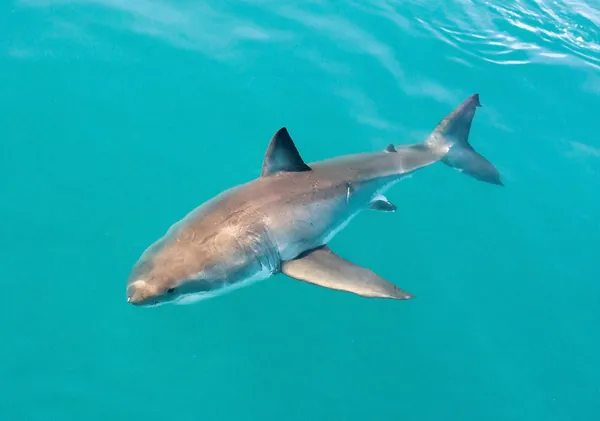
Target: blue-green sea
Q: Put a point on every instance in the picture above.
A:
(118, 117)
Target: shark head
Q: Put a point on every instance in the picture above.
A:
(152, 291)
(188, 265)
(169, 273)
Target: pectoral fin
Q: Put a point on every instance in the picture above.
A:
(324, 268)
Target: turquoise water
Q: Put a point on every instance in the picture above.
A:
(117, 118)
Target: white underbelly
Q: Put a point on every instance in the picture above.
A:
(294, 246)
(315, 225)
(261, 275)
(337, 229)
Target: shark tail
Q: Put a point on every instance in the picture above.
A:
(450, 139)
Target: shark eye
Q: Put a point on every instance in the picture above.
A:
(170, 290)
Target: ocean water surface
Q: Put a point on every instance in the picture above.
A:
(119, 117)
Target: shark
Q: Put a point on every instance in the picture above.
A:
(283, 221)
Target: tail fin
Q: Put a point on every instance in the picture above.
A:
(451, 136)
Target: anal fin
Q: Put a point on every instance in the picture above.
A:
(323, 267)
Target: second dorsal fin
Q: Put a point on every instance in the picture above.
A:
(282, 155)
(390, 148)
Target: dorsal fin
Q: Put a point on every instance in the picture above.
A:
(282, 155)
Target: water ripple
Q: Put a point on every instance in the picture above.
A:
(327, 37)
(516, 32)
(520, 32)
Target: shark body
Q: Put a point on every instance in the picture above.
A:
(283, 221)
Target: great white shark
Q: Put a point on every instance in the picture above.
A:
(283, 221)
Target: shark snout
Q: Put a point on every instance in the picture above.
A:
(139, 292)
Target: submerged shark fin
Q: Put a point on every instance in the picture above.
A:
(282, 155)
(382, 204)
(323, 267)
(452, 133)
(390, 148)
